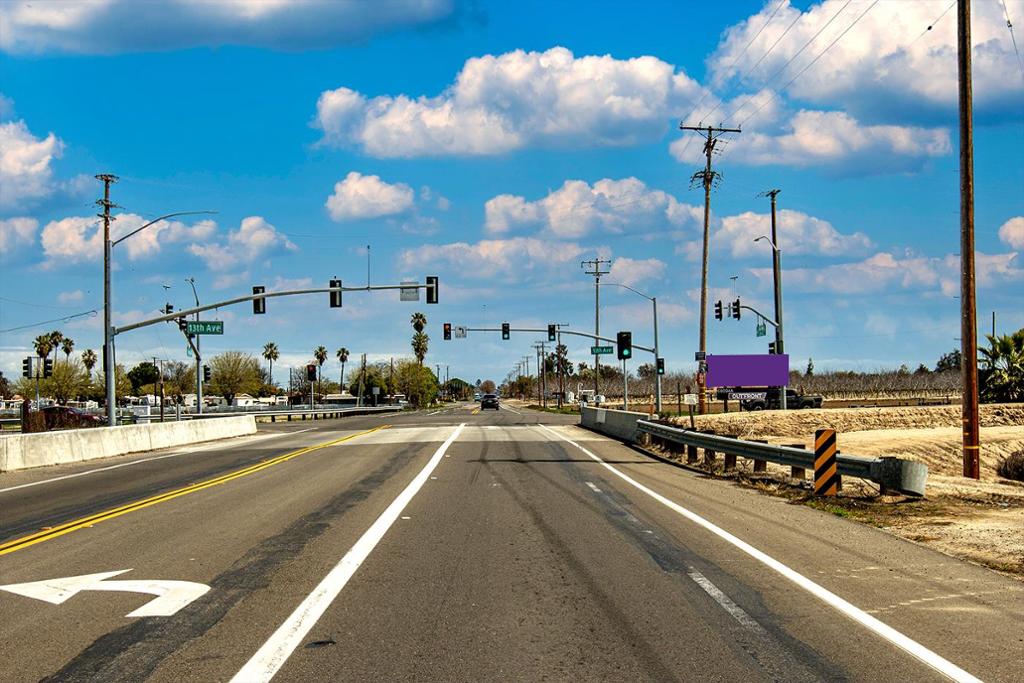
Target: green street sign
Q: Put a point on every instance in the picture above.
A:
(762, 328)
(204, 326)
(601, 350)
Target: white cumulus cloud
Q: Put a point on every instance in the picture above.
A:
(80, 238)
(113, 26)
(578, 208)
(254, 238)
(505, 102)
(15, 232)
(519, 259)
(361, 196)
(1012, 232)
(628, 271)
(26, 173)
(798, 233)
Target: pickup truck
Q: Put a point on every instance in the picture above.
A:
(794, 401)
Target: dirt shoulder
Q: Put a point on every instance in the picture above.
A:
(981, 521)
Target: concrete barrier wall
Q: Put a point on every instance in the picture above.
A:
(22, 451)
(618, 423)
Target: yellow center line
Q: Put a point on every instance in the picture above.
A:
(475, 411)
(68, 527)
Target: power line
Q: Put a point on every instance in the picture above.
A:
(933, 24)
(1009, 26)
(65, 319)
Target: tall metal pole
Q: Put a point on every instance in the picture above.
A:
(777, 276)
(968, 312)
(199, 363)
(109, 370)
(625, 386)
(657, 355)
(595, 265)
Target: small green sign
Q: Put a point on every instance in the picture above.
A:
(204, 326)
(601, 350)
(762, 328)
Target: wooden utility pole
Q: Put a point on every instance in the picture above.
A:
(595, 266)
(968, 307)
(708, 178)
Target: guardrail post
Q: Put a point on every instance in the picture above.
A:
(826, 473)
(691, 454)
(709, 455)
(797, 472)
(760, 466)
(729, 458)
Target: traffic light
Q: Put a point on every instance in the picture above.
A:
(735, 307)
(432, 289)
(661, 366)
(336, 296)
(169, 308)
(552, 333)
(771, 348)
(26, 367)
(259, 306)
(206, 373)
(447, 331)
(47, 367)
(311, 372)
(624, 342)
(505, 333)
(718, 310)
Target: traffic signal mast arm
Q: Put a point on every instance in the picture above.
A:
(588, 335)
(265, 295)
(759, 313)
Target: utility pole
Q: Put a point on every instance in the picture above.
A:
(708, 178)
(595, 269)
(109, 370)
(199, 364)
(777, 278)
(968, 311)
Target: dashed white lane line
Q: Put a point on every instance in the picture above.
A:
(504, 407)
(273, 653)
(737, 612)
(879, 628)
(593, 488)
(158, 457)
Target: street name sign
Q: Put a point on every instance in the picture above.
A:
(459, 331)
(601, 350)
(204, 326)
(409, 291)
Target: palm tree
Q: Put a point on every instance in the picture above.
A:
(67, 345)
(419, 346)
(56, 337)
(342, 355)
(89, 360)
(419, 321)
(270, 353)
(320, 353)
(43, 345)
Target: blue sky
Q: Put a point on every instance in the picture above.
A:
(497, 145)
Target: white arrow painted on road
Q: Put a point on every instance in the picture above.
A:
(171, 595)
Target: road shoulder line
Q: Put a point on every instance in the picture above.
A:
(874, 625)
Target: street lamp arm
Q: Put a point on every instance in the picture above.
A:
(619, 284)
(157, 220)
(767, 239)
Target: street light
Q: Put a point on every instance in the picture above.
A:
(777, 277)
(199, 365)
(108, 337)
(657, 353)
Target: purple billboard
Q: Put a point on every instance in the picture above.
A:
(768, 370)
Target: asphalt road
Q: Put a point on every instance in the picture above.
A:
(467, 546)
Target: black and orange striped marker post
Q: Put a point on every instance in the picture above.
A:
(826, 469)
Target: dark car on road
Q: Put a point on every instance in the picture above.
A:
(489, 401)
(65, 417)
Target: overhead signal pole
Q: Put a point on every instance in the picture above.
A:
(708, 178)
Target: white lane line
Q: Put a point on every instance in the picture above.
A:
(593, 488)
(737, 612)
(157, 457)
(504, 407)
(272, 654)
(881, 629)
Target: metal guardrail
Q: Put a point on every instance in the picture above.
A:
(302, 413)
(890, 473)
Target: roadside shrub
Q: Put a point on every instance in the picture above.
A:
(1012, 466)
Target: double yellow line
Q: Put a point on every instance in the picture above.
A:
(68, 527)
